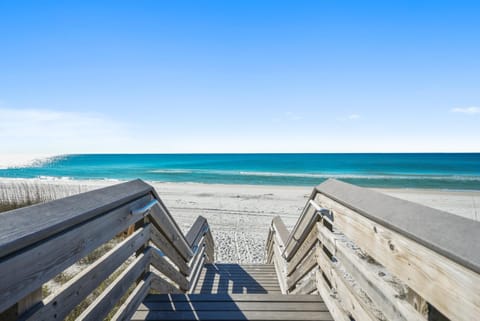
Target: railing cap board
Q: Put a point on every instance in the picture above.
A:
(454, 237)
(23, 227)
(281, 228)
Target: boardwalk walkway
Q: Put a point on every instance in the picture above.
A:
(234, 292)
(354, 254)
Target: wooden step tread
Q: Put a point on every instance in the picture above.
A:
(234, 297)
(235, 278)
(232, 307)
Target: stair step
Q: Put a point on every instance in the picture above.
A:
(232, 307)
(234, 297)
(235, 278)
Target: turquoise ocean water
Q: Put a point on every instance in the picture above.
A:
(445, 171)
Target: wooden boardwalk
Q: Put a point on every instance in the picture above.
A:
(234, 292)
(233, 307)
(337, 263)
(237, 279)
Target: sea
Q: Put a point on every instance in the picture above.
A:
(458, 171)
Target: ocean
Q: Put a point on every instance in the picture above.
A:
(443, 170)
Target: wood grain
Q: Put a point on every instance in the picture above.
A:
(38, 264)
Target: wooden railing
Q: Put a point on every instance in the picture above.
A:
(39, 242)
(375, 257)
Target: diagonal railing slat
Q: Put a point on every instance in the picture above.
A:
(356, 244)
(39, 242)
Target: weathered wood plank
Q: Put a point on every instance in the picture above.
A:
(162, 286)
(332, 303)
(128, 308)
(269, 247)
(350, 300)
(280, 229)
(249, 272)
(164, 223)
(23, 227)
(210, 247)
(392, 304)
(236, 289)
(409, 219)
(162, 206)
(230, 297)
(280, 268)
(457, 289)
(232, 315)
(59, 304)
(242, 267)
(306, 266)
(241, 305)
(307, 219)
(193, 278)
(38, 264)
(305, 247)
(104, 303)
(159, 240)
(159, 263)
(196, 231)
(272, 279)
(200, 251)
(326, 237)
(307, 287)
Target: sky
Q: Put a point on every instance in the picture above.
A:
(239, 76)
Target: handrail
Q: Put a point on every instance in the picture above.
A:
(42, 241)
(21, 228)
(409, 219)
(418, 248)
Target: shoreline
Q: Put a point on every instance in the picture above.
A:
(239, 215)
(111, 181)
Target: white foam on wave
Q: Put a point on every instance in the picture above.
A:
(54, 178)
(320, 175)
(8, 161)
(171, 171)
(364, 176)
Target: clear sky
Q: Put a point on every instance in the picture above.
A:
(239, 76)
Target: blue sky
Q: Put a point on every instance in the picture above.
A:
(239, 76)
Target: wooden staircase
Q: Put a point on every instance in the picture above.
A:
(232, 307)
(337, 263)
(234, 292)
(237, 279)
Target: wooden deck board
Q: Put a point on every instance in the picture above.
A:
(234, 278)
(233, 307)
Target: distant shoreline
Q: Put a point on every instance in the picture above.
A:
(111, 181)
(461, 202)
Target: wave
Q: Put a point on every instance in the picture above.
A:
(171, 171)
(55, 178)
(362, 176)
(319, 175)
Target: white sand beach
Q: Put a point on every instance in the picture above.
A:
(239, 215)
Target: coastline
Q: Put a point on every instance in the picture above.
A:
(239, 215)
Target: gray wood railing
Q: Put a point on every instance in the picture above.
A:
(37, 243)
(374, 257)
